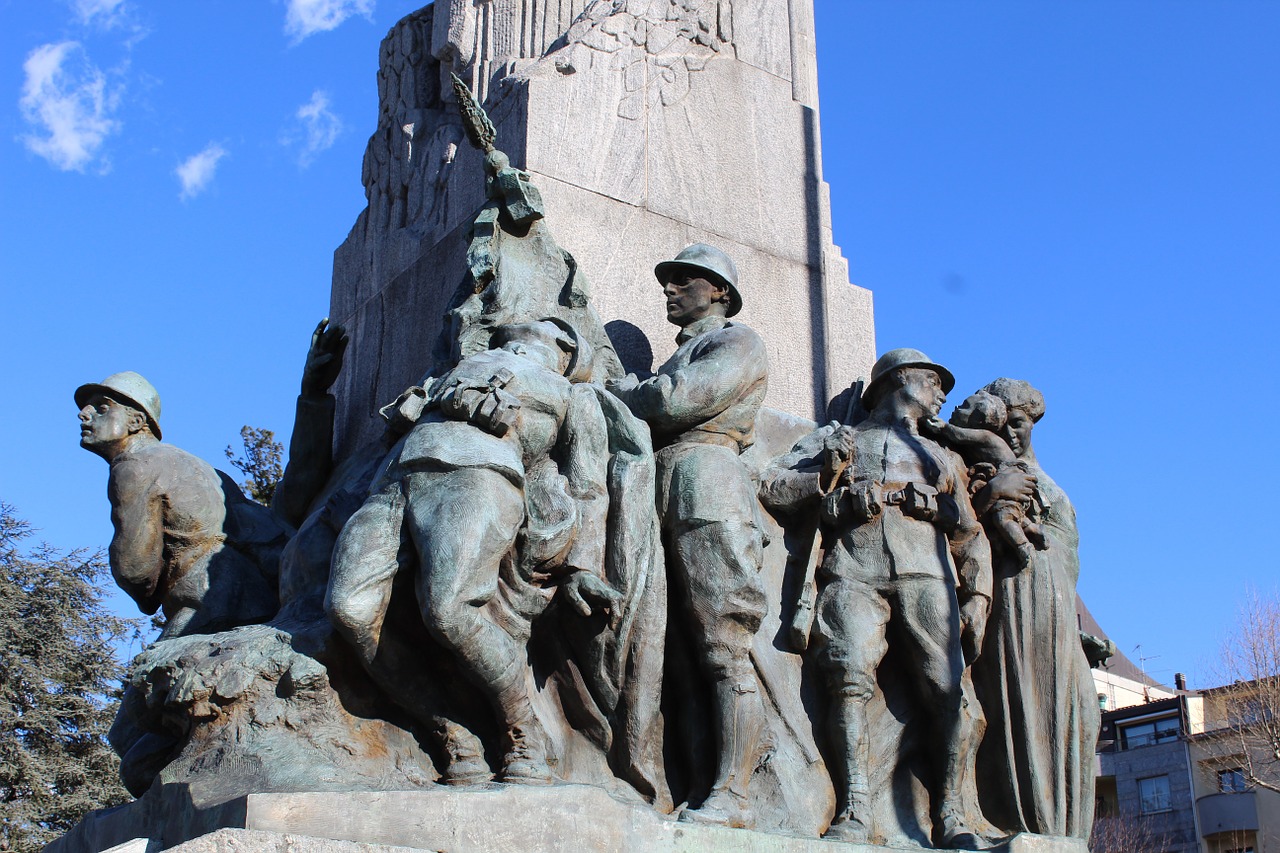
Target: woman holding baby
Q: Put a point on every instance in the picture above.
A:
(1037, 692)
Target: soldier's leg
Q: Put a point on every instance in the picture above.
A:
(464, 524)
(850, 623)
(930, 630)
(716, 551)
(718, 564)
(220, 589)
(366, 558)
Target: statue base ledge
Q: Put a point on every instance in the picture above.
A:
(491, 819)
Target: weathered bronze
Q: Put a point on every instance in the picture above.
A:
(1037, 759)
(869, 637)
(906, 559)
(701, 407)
(187, 541)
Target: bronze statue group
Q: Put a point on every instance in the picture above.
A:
(558, 572)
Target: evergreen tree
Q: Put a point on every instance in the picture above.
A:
(260, 462)
(59, 688)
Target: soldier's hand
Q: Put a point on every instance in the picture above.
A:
(841, 442)
(973, 625)
(589, 594)
(837, 452)
(324, 358)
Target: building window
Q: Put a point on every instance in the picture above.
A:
(1148, 733)
(1232, 781)
(1246, 712)
(1153, 793)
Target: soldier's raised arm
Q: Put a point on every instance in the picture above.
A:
(311, 443)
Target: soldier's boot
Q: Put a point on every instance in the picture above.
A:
(955, 823)
(464, 755)
(955, 834)
(746, 744)
(852, 822)
(527, 760)
(495, 661)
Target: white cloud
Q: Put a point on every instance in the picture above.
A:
(196, 172)
(105, 13)
(68, 100)
(308, 17)
(321, 125)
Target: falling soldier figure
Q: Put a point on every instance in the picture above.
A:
(701, 407)
(503, 469)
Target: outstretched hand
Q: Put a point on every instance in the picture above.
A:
(589, 594)
(324, 358)
(933, 425)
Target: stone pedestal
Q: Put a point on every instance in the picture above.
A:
(495, 819)
(647, 125)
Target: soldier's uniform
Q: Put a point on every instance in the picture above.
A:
(702, 406)
(473, 475)
(904, 549)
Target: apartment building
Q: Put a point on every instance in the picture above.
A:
(1173, 776)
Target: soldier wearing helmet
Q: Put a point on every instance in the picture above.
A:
(186, 540)
(701, 407)
(906, 559)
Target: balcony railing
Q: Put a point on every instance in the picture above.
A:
(1134, 741)
(1234, 812)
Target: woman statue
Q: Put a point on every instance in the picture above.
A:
(1036, 761)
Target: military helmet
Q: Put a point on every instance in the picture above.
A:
(903, 357)
(128, 388)
(709, 261)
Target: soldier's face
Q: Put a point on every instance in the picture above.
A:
(691, 297)
(105, 424)
(923, 387)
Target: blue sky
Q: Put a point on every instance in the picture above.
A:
(1082, 194)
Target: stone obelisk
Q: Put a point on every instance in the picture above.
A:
(647, 125)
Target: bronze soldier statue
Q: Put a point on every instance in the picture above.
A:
(701, 407)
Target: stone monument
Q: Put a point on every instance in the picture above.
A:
(649, 125)
(521, 589)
